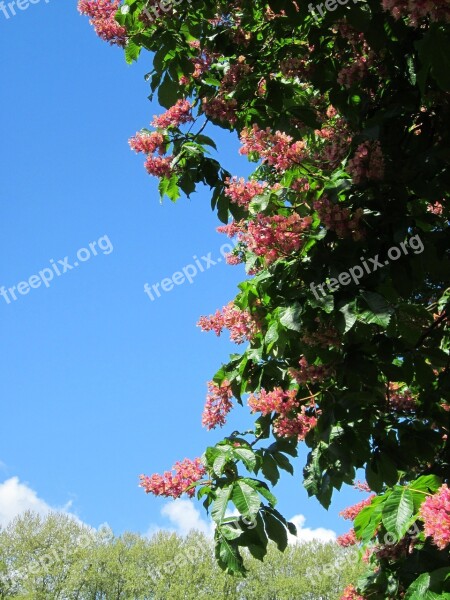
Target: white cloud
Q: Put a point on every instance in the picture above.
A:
(186, 517)
(305, 534)
(17, 497)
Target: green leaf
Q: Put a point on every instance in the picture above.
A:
(290, 317)
(262, 489)
(219, 464)
(270, 469)
(228, 555)
(132, 51)
(368, 520)
(430, 585)
(276, 530)
(397, 511)
(220, 503)
(283, 462)
(247, 456)
(168, 92)
(245, 499)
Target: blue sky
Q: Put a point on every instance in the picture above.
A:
(99, 383)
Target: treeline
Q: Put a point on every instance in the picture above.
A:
(57, 558)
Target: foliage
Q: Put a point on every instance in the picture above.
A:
(343, 228)
(56, 558)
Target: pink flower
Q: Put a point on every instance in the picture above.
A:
(276, 149)
(242, 192)
(417, 10)
(350, 593)
(309, 373)
(297, 426)
(277, 401)
(177, 115)
(102, 13)
(367, 163)
(435, 512)
(339, 219)
(174, 484)
(352, 512)
(159, 167)
(400, 400)
(218, 405)
(276, 237)
(435, 209)
(347, 539)
(220, 109)
(148, 143)
(240, 323)
(362, 486)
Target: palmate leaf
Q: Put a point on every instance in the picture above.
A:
(397, 511)
(368, 520)
(245, 499)
(228, 555)
(430, 585)
(220, 504)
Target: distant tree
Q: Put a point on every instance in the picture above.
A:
(57, 558)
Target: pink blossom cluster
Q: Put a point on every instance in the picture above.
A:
(367, 163)
(240, 323)
(292, 420)
(159, 166)
(309, 373)
(294, 67)
(202, 62)
(101, 13)
(296, 426)
(235, 74)
(350, 593)
(339, 218)
(232, 229)
(177, 115)
(352, 512)
(325, 336)
(354, 73)
(277, 401)
(218, 405)
(400, 400)
(336, 138)
(148, 143)
(396, 551)
(242, 192)
(220, 109)
(276, 149)
(300, 185)
(435, 512)
(417, 10)
(435, 209)
(277, 236)
(362, 486)
(172, 484)
(347, 539)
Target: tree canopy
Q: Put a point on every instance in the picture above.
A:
(57, 558)
(343, 230)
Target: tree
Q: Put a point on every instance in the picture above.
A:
(97, 565)
(343, 228)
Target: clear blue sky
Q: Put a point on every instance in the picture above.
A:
(99, 384)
